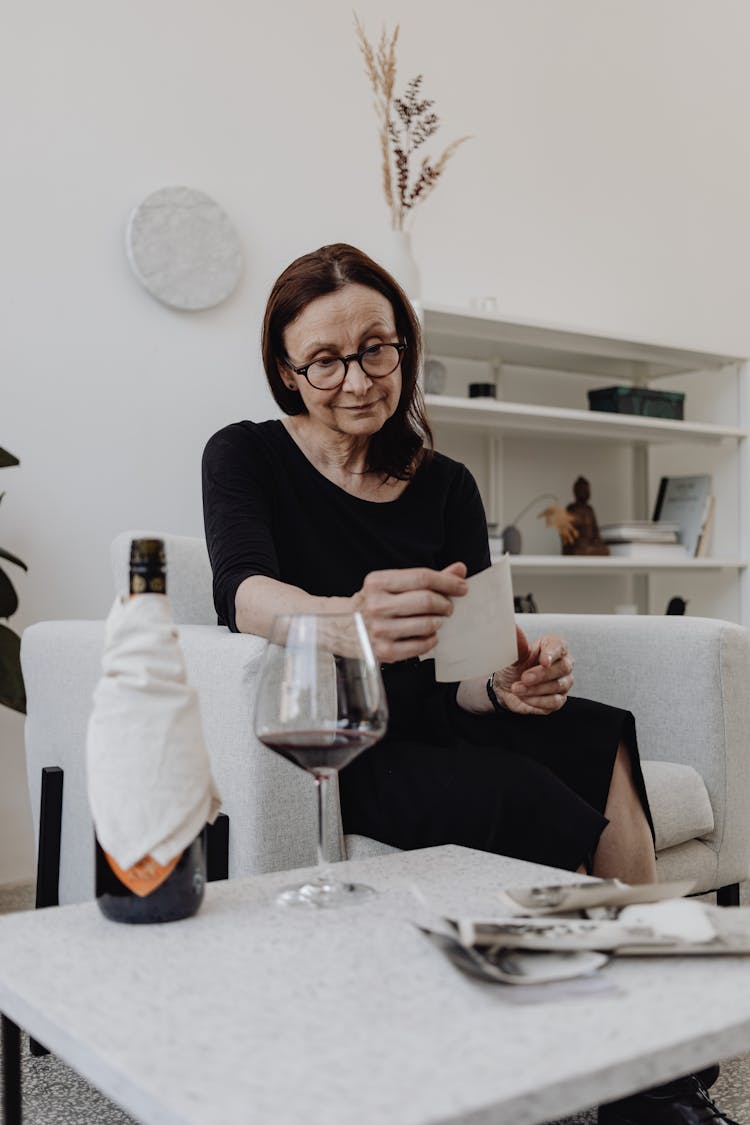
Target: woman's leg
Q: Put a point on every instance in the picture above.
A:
(626, 849)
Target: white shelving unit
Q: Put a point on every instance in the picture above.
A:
(572, 564)
(514, 417)
(493, 348)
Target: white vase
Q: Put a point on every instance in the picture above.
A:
(398, 259)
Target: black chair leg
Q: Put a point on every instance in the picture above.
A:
(216, 843)
(48, 865)
(50, 830)
(729, 895)
(12, 1114)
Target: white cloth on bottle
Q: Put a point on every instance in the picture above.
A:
(150, 785)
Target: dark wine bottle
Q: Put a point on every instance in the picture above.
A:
(149, 891)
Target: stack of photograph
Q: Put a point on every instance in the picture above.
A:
(640, 539)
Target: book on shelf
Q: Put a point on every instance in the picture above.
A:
(640, 531)
(686, 502)
(657, 552)
(705, 535)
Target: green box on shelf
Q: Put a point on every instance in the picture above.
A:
(638, 400)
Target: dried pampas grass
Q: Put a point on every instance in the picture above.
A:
(405, 124)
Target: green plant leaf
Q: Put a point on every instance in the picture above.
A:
(12, 691)
(8, 596)
(12, 558)
(7, 459)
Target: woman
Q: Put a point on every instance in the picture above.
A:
(344, 505)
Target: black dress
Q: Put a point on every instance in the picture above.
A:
(533, 787)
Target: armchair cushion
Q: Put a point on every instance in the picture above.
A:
(679, 801)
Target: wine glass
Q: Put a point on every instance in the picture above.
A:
(320, 702)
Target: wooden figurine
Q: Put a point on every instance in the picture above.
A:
(588, 541)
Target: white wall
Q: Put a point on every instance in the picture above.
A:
(605, 187)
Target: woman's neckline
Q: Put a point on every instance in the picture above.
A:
(332, 484)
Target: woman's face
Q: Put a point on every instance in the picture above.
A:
(340, 324)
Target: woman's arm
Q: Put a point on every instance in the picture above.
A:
(259, 599)
(402, 609)
(536, 684)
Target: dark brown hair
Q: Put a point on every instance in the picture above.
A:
(395, 449)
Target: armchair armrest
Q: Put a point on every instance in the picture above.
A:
(686, 681)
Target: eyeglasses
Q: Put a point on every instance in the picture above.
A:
(329, 372)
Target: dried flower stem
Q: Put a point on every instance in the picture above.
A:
(562, 521)
(405, 124)
(381, 70)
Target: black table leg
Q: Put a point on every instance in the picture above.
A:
(12, 1114)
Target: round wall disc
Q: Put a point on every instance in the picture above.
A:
(183, 248)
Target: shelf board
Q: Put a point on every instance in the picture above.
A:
(604, 564)
(459, 334)
(514, 417)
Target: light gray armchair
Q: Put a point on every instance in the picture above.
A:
(686, 679)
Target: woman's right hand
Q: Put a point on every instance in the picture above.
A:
(403, 609)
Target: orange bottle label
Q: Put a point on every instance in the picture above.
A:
(145, 875)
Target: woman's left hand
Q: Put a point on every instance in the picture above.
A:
(539, 681)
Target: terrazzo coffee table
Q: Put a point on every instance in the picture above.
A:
(255, 1012)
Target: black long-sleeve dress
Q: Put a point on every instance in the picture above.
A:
(533, 787)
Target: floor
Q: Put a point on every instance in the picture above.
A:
(56, 1095)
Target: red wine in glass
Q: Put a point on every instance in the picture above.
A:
(320, 703)
(316, 751)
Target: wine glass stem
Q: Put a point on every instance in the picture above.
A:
(323, 876)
